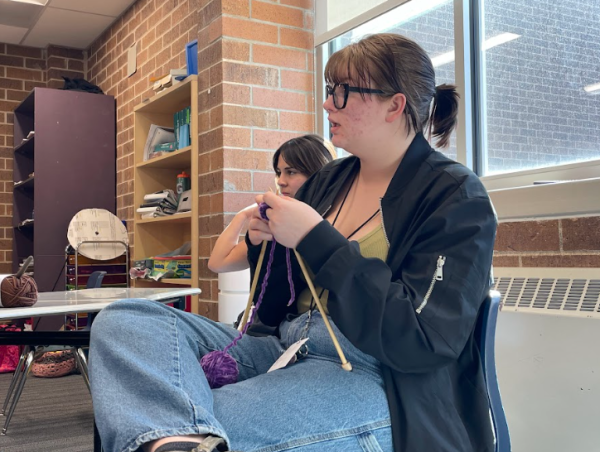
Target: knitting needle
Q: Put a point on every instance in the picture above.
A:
(345, 364)
(254, 284)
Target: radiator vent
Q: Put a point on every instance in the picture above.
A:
(557, 291)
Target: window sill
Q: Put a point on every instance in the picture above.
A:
(577, 198)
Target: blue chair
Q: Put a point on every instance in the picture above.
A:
(485, 334)
(32, 349)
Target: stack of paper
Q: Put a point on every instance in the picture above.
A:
(158, 204)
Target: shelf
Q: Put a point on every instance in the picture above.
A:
(26, 147)
(23, 225)
(168, 100)
(176, 218)
(26, 107)
(27, 184)
(179, 159)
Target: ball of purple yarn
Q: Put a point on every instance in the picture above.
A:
(220, 368)
(262, 208)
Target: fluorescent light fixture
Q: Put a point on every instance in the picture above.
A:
(402, 14)
(502, 38)
(592, 89)
(31, 2)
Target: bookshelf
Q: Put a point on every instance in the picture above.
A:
(159, 235)
(67, 165)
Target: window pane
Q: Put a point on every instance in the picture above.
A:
(430, 23)
(540, 58)
(340, 11)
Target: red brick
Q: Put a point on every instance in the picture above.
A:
(14, 61)
(247, 159)
(581, 233)
(16, 95)
(300, 81)
(234, 202)
(250, 75)
(506, 261)
(267, 139)
(297, 38)
(249, 117)
(306, 4)
(303, 122)
(23, 74)
(263, 182)
(246, 29)
(237, 181)
(30, 52)
(236, 94)
(236, 7)
(236, 137)
(283, 100)
(57, 62)
(580, 261)
(236, 50)
(281, 15)
(280, 57)
(528, 236)
(11, 83)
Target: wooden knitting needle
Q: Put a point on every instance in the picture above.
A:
(345, 364)
(254, 284)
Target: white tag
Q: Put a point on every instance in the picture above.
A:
(289, 356)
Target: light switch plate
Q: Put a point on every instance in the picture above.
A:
(132, 60)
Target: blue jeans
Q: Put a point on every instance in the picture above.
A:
(147, 384)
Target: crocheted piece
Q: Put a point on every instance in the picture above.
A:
(54, 364)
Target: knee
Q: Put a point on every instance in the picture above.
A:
(119, 317)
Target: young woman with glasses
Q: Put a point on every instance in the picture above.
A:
(398, 240)
(293, 163)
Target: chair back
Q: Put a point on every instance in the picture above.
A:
(95, 280)
(485, 334)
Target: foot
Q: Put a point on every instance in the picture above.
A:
(208, 444)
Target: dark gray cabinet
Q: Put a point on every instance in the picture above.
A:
(69, 164)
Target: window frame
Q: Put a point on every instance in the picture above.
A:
(513, 194)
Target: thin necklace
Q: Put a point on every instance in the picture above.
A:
(304, 349)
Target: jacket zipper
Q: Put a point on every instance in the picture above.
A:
(437, 276)
(383, 223)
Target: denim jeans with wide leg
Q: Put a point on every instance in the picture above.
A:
(147, 383)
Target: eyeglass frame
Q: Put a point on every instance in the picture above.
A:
(330, 90)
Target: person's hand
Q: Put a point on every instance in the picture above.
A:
(290, 220)
(258, 229)
(248, 212)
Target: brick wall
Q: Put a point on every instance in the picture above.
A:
(568, 242)
(255, 91)
(21, 70)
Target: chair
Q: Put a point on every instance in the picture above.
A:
(485, 334)
(73, 341)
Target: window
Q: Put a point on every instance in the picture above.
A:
(428, 22)
(541, 77)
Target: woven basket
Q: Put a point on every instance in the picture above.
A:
(54, 364)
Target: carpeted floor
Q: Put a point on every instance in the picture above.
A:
(54, 414)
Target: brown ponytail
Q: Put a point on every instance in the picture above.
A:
(444, 113)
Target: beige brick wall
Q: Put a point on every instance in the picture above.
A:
(21, 70)
(568, 242)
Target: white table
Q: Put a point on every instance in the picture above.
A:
(90, 300)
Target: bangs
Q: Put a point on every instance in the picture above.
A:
(349, 64)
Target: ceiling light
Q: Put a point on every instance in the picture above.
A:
(494, 41)
(592, 89)
(31, 2)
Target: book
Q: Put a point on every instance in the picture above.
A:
(171, 146)
(157, 135)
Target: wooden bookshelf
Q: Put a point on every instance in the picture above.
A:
(159, 235)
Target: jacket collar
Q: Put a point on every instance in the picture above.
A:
(414, 157)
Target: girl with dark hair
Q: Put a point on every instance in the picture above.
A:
(398, 240)
(294, 162)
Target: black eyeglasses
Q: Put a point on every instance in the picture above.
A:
(340, 92)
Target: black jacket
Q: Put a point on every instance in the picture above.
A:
(436, 213)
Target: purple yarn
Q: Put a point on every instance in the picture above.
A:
(262, 208)
(219, 367)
